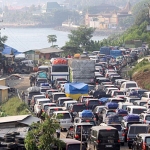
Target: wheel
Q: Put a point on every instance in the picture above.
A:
(122, 144)
(130, 146)
(12, 145)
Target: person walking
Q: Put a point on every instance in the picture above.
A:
(58, 133)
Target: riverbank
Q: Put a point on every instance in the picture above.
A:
(62, 28)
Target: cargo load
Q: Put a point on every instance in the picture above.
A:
(131, 118)
(111, 105)
(60, 61)
(122, 112)
(86, 114)
(103, 100)
(42, 75)
(112, 119)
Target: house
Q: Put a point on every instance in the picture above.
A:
(31, 55)
(50, 6)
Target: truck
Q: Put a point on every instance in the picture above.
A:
(115, 53)
(59, 69)
(105, 50)
(82, 70)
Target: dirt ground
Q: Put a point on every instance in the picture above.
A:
(142, 79)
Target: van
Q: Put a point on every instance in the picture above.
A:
(103, 138)
(60, 101)
(126, 85)
(72, 144)
(135, 129)
(64, 117)
(137, 110)
(28, 63)
(57, 95)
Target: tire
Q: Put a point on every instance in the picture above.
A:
(9, 139)
(122, 144)
(130, 146)
(19, 140)
(12, 145)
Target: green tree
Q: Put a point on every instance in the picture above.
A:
(52, 39)
(81, 37)
(3, 39)
(42, 136)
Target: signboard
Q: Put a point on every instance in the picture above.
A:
(148, 27)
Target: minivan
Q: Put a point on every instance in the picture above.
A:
(135, 129)
(103, 138)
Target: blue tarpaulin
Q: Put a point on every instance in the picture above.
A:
(9, 50)
(76, 88)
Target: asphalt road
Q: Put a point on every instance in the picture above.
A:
(63, 135)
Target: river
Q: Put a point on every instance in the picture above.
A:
(24, 39)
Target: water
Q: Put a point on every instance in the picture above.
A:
(24, 39)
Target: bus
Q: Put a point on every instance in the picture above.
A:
(60, 71)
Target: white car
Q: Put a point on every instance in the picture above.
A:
(124, 105)
(137, 110)
(118, 94)
(64, 117)
(39, 102)
(67, 104)
(146, 96)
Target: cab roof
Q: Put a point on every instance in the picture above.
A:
(103, 128)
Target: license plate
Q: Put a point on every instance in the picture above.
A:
(108, 145)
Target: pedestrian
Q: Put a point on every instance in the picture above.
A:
(58, 133)
(23, 95)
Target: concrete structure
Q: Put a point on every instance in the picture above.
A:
(108, 19)
(3, 81)
(3, 93)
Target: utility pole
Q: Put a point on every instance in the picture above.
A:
(148, 26)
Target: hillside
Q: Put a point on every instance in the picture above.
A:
(141, 74)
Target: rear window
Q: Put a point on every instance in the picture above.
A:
(147, 118)
(73, 147)
(130, 123)
(63, 116)
(117, 101)
(118, 127)
(46, 106)
(44, 90)
(137, 130)
(77, 108)
(40, 97)
(96, 102)
(138, 111)
(33, 93)
(85, 128)
(130, 85)
(56, 96)
(56, 109)
(143, 103)
(132, 100)
(124, 107)
(42, 102)
(147, 140)
(108, 134)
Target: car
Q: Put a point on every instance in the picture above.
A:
(116, 100)
(130, 91)
(123, 105)
(146, 96)
(120, 131)
(108, 90)
(82, 98)
(131, 99)
(145, 118)
(90, 103)
(141, 142)
(140, 102)
(135, 109)
(103, 137)
(45, 106)
(48, 93)
(60, 100)
(66, 104)
(117, 93)
(75, 131)
(80, 120)
(64, 118)
(39, 102)
(50, 110)
(135, 129)
(57, 95)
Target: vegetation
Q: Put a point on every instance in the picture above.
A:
(14, 107)
(52, 39)
(42, 136)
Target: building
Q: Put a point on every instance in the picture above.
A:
(50, 6)
(107, 17)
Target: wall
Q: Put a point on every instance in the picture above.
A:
(3, 82)
(4, 95)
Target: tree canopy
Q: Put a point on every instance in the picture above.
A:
(52, 39)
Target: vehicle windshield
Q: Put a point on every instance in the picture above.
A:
(77, 108)
(73, 147)
(64, 100)
(137, 129)
(143, 103)
(130, 123)
(124, 107)
(59, 68)
(147, 118)
(55, 109)
(95, 102)
(132, 100)
(147, 140)
(44, 90)
(46, 106)
(42, 102)
(40, 97)
(118, 93)
(33, 93)
(108, 134)
(43, 69)
(110, 113)
(138, 111)
(84, 129)
(118, 127)
(131, 85)
(63, 116)
(56, 96)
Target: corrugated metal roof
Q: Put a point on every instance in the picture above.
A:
(13, 118)
(49, 50)
(3, 87)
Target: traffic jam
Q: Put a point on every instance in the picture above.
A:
(101, 110)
